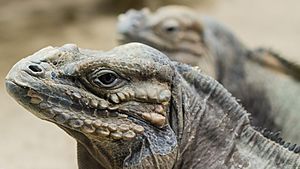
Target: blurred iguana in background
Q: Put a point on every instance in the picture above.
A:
(266, 84)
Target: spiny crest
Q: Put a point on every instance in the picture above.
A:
(288, 66)
(275, 136)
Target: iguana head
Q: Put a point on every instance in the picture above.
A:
(115, 103)
(174, 30)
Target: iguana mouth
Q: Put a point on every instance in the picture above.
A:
(103, 121)
(84, 114)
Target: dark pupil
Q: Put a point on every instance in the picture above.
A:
(170, 29)
(107, 79)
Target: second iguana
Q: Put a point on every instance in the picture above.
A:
(265, 83)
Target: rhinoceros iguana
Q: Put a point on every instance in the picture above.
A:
(131, 107)
(266, 83)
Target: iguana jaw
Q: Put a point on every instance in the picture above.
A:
(97, 122)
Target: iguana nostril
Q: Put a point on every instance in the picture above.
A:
(35, 68)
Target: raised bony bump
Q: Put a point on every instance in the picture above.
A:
(114, 98)
(137, 128)
(97, 123)
(112, 127)
(160, 109)
(140, 93)
(36, 100)
(88, 121)
(94, 103)
(76, 95)
(152, 93)
(71, 46)
(62, 118)
(121, 96)
(49, 113)
(102, 104)
(35, 97)
(128, 135)
(45, 105)
(154, 118)
(88, 128)
(85, 101)
(76, 123)
(164, 95)
(116, 135)
(104, 132)
(121, 115)
(123, 127)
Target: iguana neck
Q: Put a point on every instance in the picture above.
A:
(217, 133)
(228, 52)
(211, 121)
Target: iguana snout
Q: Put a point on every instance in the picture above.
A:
(24, 82)
(131, 21)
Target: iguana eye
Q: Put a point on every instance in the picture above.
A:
(170, 26)
(106, 78)
(170, 29)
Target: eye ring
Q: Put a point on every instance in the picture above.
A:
(170, 26)
(106, 78)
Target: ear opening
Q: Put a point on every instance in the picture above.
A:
(176, 116)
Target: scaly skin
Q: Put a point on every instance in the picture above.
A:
(131, 107)
(266, 83)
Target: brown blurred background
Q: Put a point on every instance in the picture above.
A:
(26, 26)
